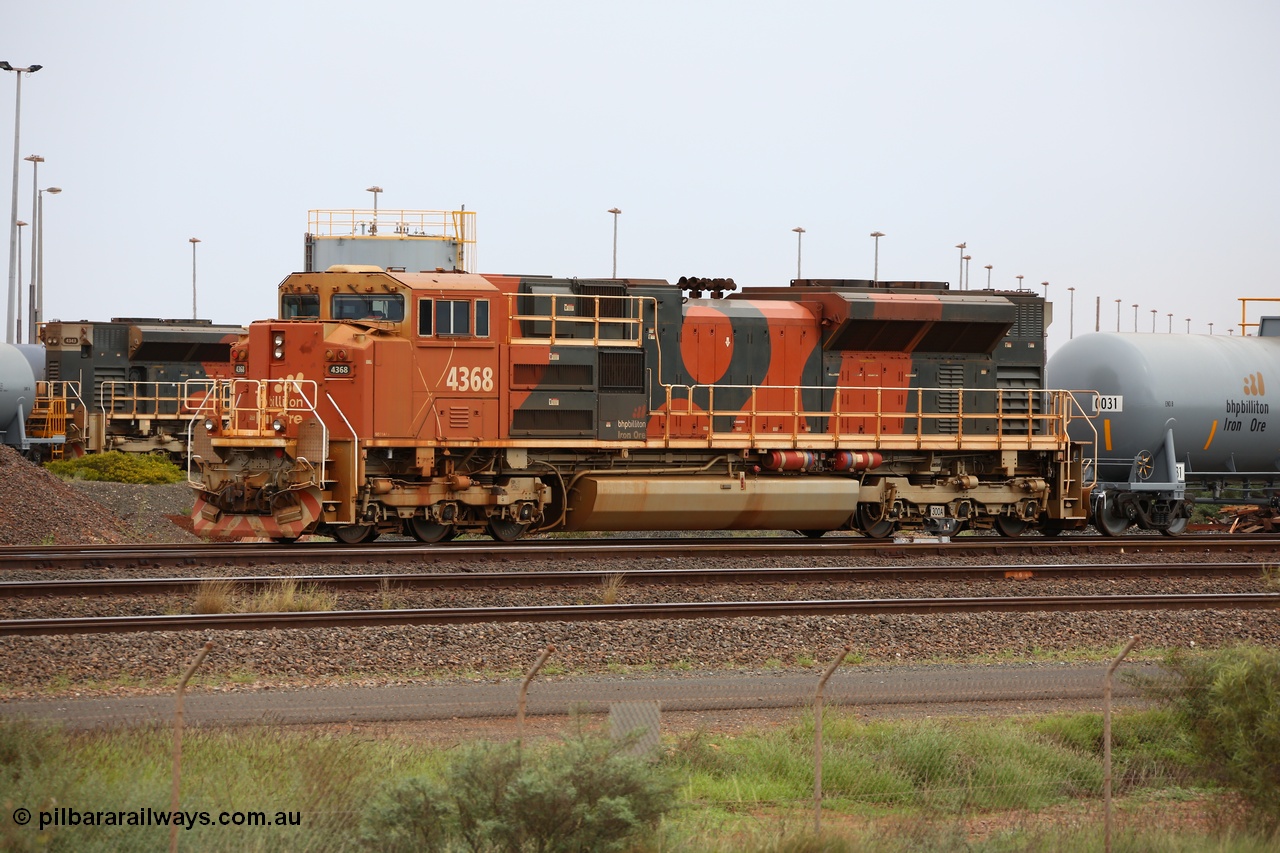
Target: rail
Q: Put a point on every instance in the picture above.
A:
(456, 225)
(51, 411)
(1244, 308)
(107, 587)
(559, 319)
(623, 612)
(119, 399)
(876, 417)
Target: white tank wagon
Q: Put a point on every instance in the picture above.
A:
(1179, 419)
(22, 372)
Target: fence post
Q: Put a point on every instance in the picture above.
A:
(177, 744)
(524, 689)
(817, 738)
(1106, 741)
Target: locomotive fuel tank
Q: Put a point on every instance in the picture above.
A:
(1219, 394)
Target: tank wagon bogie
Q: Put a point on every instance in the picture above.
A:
(438, 403)
(1180, 419)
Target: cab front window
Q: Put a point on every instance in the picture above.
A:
(367, 306)
(294, 305)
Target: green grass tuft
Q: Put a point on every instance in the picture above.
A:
(117, 467)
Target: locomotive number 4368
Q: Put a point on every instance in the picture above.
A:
(469, 379)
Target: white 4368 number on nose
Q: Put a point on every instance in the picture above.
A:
(470, 379)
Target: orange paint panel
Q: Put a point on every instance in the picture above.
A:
(872, 384)
(706, 344)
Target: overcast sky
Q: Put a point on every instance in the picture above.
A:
(1128, 149)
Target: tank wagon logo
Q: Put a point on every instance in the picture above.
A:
(1253, 387)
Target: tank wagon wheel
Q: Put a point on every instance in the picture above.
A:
(355, 534)
(1051, 529)
(1009, 526)
(871, 521)
(1108, 521)
(504, 530)
(429, 531)
(284, 540)
(1177, 525)
(812, 534)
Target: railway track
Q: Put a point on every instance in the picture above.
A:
(28, 558)
(101, 587)
(626, 612)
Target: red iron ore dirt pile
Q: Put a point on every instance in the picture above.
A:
(36, 508)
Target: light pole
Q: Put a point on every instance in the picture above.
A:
(988, 269)
(876, 235)
(22, 225)
(1211, 328)
(11, 317)
(1046, 290)
(373, 229)
(966, 272)
(1071, 321)
(1171, 323)
(39, 294)
(1117, 315)
(193, 242)
(1153, 321)
(961, 247)
(1135, 317)
(1019, 278)
(1188, 325)
(799, 236)
(615, 211)
(35, 160)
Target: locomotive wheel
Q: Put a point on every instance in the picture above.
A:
(872, 523)
(1109, 522)
(506, 531)
(1007, 525)
(355, 534)
(428, 531)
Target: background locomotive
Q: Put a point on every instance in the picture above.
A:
(89, 387)
(118, 385)
(435, 403)
(1179, 419)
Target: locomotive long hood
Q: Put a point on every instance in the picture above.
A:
(934, 322)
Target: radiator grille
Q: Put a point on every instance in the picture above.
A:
(576, 421)
(622, 371)
(551, 376)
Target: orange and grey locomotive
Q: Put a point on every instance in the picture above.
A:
(436, 403)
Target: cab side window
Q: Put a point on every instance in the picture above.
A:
(424, 317)
(453, 317)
